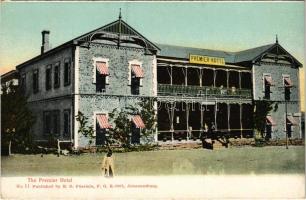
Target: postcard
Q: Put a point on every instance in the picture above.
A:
(152, 100)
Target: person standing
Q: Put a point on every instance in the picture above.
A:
(108, 164)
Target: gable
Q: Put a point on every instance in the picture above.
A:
(272, 53)
(118, 32)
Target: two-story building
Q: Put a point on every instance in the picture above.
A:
(115, 66)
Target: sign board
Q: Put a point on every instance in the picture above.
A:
(198, 59)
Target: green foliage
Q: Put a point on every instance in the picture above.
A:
(85, 129)
(261, 110)
(146, 110)
(122, 129)
(16, 120)
(121, 132)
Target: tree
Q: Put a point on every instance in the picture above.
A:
(261, 110)
(147, 113)
(85, 129)
(121, 132)
(16, 118)
(122, 129)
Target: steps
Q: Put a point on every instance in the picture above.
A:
(217, 145)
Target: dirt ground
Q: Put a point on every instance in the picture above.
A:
(244, 160)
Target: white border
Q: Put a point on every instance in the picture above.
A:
(133, 62)
(76, 95)
(99, 59)
(95, 119)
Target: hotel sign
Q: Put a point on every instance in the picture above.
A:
(197, 59)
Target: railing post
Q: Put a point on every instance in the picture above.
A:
(215, 77)
(239, 72)
(240, 118)
(227, 78)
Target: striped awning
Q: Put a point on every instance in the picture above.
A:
(288, 82)
(268, 80)
(102, 68)
(138, 121)
(270, 121)
(103, 121)
(290, 120)
(137, 70)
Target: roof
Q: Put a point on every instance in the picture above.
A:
(251, 54)
(163, 50)
(9, 76)
(118, 26)
(183, 52)
(229, 57)
(112, 28)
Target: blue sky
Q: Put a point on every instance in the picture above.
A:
(230, 26)
(213, 25)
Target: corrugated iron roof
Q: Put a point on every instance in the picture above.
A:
(250, 54)
(183, 52)
(230, 57)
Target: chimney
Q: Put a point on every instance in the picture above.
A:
(45, 46)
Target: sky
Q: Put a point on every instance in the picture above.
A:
(229, 26)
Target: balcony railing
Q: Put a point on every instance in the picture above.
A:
(165, 90)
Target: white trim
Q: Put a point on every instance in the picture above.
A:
(98, 59)
(156, 127)
(133, 62)
(76, 95)
(263, 80)
(285, 125)
(95, 119)
(154, 76)
(300, 125)
(283, 78)
(253, 81)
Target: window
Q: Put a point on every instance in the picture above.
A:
(35, 81)
(51, 122)
(287, 85)
(67, 72)
(56, 122)
(23, 82)
(137, 124)
(67, 123)
(47, 123)
(267, 86)
(101, 76)
(57, 75)
(48, 77)
(102, 124)
(269, 126)
(136, 78)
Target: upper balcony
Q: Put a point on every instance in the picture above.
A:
(195, 81)
(198, 91)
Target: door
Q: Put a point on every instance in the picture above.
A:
(135, 134)
(268, 131)
(289, 130)
(100, 135)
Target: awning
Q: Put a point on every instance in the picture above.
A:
(102, 68)
(268, 80)
(103, 121)
(290, 120)
(137, 70)
(288, 82)
(138, 121)
(270, 121)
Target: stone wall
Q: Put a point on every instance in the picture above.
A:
(118, 65)
(118, 91)
(47, 100)
(41, 65)
(38, 108)
(277, 95)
